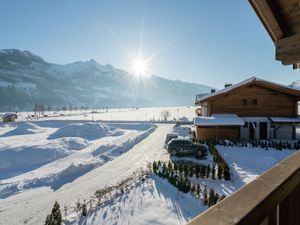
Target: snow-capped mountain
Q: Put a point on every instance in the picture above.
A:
(27, 79)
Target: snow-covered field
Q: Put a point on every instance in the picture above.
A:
(67, 159)
(124, 114)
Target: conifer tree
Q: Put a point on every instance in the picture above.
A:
(194, 189)
(220, 171)
(191, 171)
(172, 179)
(55, 217)
(175, 167)
(187, 185)
(197, 172)
(154, 167)
(211, 198)
(198, 190)
(164, 170)
(180, 168)
(205, 200)
(202, 171)
(213, 172)
(84, 210)
(226, 173)
(185, 169)
(222, 197)
(170, 165)
(216, 198)
(207, 171)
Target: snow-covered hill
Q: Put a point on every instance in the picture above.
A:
(26, 79)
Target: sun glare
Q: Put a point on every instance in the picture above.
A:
(139, 67)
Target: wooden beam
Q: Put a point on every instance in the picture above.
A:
(267, 17)
(288, 46)
(290, 208)
(291, 59)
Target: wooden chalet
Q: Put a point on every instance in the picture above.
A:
(252, 109)
(9, 117)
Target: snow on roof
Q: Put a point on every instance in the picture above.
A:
(285, 119)
(249, 80)
(219, 120)
(9, 114)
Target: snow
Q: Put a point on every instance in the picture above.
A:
(151, 202)
(219, 120)
(90, 131)
(23, 129)
(31, 195)
(68, 159)
(157, 202)
(182, 131)
(285, 119)
(55, 162)
(120, 114)
(248, 163)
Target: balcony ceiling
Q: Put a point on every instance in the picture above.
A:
(281, 18)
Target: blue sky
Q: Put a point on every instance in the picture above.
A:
(208, 41)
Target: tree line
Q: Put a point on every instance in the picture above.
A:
(179, 174)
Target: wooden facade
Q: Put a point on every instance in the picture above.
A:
(254, 101)
(207, 133)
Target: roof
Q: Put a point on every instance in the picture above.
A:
(219, 120)
(9, 115)
(281, 20)
(285, 119)
(252, 80)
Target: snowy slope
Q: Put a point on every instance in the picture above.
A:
(26, 79)
(152, 202)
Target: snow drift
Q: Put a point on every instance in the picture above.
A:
(25, 158)
(72, 143)
(23, 129)
(89, 131)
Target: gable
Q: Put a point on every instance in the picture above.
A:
(254, 101)
(251, 81)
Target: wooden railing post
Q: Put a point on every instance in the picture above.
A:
(289, 209)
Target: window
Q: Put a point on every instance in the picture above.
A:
(254, 101)
(244, 101)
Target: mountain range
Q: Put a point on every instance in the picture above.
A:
(27, 79)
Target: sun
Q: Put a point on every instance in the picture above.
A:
(139, 67)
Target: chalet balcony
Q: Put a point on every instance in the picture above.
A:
(271, 199)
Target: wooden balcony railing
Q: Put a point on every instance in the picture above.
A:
(271, 199)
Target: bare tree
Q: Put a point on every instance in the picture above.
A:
(165, 114)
